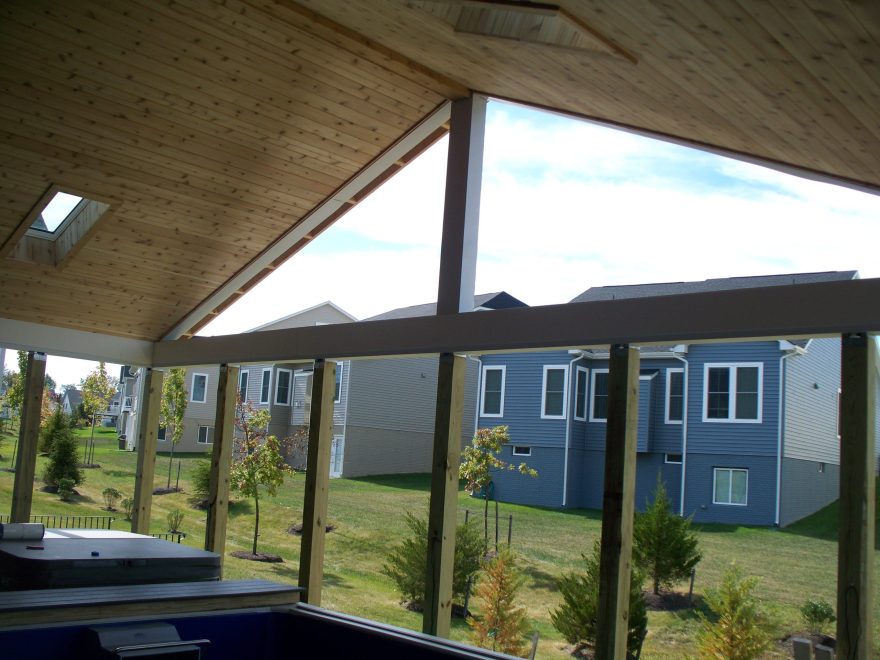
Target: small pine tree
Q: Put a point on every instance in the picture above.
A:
(503, 626)
(407, 560)
(664, 547)
(56, 426)
(740, 631)
(577, 616)
(63, 462)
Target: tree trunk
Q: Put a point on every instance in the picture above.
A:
(170, 463)
(257, 517)
(88, 444)
(486, 521)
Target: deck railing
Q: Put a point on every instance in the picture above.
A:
(62, 521)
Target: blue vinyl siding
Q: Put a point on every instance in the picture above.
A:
(545, 490)
(805, 490)
(589, 492)
(761, 507)
(646, 401)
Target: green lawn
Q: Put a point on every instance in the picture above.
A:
(793, 564)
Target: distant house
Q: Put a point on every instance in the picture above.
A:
(742, 432)
(71, 400)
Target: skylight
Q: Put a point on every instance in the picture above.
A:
(60, 208)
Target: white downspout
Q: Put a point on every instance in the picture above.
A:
(779, 436)
(684, 428)
(571, 402)
(345, 386)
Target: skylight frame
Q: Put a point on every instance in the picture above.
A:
(73, 214)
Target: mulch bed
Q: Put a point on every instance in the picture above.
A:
(297, 529)
(250, 556)
(90, 466)
(667, 601)
(165, 491)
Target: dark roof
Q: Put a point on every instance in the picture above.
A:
(497, 300)
(619, 292)
(74, 396)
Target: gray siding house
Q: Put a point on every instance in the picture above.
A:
(740, 432)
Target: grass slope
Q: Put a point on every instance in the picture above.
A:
(793, 564)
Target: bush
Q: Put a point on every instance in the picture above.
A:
(65, 488)
(502, 625)
(816, 614)
(63, 462)
(111, 497)
(174, 518)
(56, 426)
(576, 618)
(201, 478)
(664, 547)
(128, 507)
(407, 560)
(740, 631)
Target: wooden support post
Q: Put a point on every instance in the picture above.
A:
(221, 459)
(617, 506)
(149, 403)
(437, 615)
(855, 552)
(311, 556)
(461, 207)
(28, 434)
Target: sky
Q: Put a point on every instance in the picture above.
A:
(565, 205)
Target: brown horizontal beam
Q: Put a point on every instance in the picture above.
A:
(800, 310)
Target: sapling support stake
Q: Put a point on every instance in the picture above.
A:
(509, 529)
(691, 590)
(177, 483)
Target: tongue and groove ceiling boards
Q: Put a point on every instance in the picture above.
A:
(211, 129)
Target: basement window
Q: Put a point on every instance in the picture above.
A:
(55, 228)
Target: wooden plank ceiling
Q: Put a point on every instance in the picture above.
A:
(213, 127)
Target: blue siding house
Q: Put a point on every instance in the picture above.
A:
(742, 433)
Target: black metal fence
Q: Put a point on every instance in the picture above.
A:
(60, 521)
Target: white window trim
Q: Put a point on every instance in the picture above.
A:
(564, 369)
(593, 417)
(731, 470)
(192, 389)
(669, 373)
(339, 372)
(668, 462)
(275, 400)
(514, 452)
(269, 388)
(578, 394)
(207, 435)
(733, 367)
(492, 367)
(242, 375)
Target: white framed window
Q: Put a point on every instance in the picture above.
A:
(337, 397)
(243, 385)
(160, 434)
(580, 393)
(492, 395)
(599, 400)
(265, 385)
(521, 450)
(206, 435)
(733, 392)
(672, 459)
(199, 388)
(730, 486)
(282, 387)
(554, 389)
(674, 411)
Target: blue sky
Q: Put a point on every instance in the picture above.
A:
(566, 205)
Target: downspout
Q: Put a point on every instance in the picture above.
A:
(568, 407)
(345, 387)
(780, 430)
(479, 393)
(684, 427)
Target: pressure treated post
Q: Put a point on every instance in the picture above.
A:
(311, 556)
(149, 404)
(437, 615)
(221, 459)
(855, 552)
(617, 506)
(28, 434)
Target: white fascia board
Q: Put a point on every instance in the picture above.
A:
(309, 223)
(66, 342)
(822, 309)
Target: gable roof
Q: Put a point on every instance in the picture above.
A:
(624, 291)
(325, 312)
(497, 300)
(74, 396)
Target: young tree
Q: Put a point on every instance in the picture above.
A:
(97, 390)
(576, 618)
(664, 546)
(174, 401)
(257, 458)
(502, 625)
(478, 461)
(15, 385)
(63, 462)
(57, 426)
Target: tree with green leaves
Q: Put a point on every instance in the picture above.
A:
(15, 385)
(478, 461)
(664, 546)
(257, 461)
(173, 406)
(577, 617)
(502, 624)
(98, 389)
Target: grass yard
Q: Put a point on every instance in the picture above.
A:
(793, 564)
